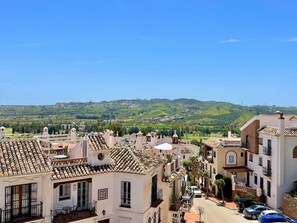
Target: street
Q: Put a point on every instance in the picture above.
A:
(218, 214)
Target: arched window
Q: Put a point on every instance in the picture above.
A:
(295, 152)
(231, 158)
(149, 220)
(155, 218)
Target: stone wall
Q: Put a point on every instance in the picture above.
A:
(289, 206)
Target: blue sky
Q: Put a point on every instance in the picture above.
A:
(244, 52)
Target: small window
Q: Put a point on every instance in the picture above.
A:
(241, 154)
(64, 191)
(255, 180)
(251, 157)
(214, 170)
(184, 157)
(126, 194)
(261, 141)
(269, 143)
(231, 159)
(260, 161)
(214, 154)
(100, 156)
(295, 152)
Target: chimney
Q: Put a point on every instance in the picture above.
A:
(45, 133)
(281, 148)
(139, 141)
(2, 132)
(229, 134)
(175, 138)
(73, 135)
(109, 137)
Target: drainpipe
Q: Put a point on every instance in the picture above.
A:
(281, 149)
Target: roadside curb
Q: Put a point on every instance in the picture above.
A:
(213, 200)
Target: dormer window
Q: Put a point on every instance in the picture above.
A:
(100, 156)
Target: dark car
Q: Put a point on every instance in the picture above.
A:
(243, 203)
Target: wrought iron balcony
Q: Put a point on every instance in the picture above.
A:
(267, 150)
(157, 198)
(24, 214)
(266, 171)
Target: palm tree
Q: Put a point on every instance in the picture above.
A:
(206, 177)
(221, 184)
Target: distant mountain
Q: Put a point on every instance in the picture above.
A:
(139, 112)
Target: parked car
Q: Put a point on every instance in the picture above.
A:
(273, 218)
(192, 188)
(243, 203)
(254, 211)
(269, 212)
(197, 193)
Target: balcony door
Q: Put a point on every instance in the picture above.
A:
(82, 195)
(19, 200)
(154, 188)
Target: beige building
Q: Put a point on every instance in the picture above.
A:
(223, 156)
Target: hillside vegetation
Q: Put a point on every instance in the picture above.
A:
(188, 113)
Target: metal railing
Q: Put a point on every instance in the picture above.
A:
(22, 214)
(157, 197)
(267, 150)
(266, 171)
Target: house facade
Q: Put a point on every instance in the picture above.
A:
(64, 178)
(271, 144)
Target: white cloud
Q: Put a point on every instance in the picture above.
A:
(230, 41)
(294, 39)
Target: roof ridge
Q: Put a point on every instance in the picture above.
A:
(138, 161)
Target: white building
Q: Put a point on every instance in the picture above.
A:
(271, 143)
(58, 179)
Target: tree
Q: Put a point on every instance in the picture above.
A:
(200, 211)
(221, 184)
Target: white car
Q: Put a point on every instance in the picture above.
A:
(197, 193)
(266, 212)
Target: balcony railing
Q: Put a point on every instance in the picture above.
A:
(267, 151)
(157, 198)
(266, 171)
(23, 214)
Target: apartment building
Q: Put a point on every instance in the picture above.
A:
(223, 156)
(271, 144)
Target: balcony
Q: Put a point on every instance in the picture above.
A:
(33, 212)
(266, 171)
(209, 159)
(69, 214)
(157, 198)
(267, 150)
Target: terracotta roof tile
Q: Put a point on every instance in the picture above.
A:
(98, 142)
(274, 131)
(19, 157)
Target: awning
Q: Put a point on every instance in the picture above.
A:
(164, 146)
(237, 169)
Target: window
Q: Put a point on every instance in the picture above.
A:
(230, 158)
(261, 183)
(214, 154)
(261, 141)
(260, 161)
(100, 156)
(269, 144)
(149, 220)
(64, 191)
(125, 194)
(295, 152)
(214, 170)
(268, 188)
(241, 154)
(184, 156)
(19, 201)
(251, 157)
(255, 180)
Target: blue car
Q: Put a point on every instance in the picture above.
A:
(254, 211)
(270, 218)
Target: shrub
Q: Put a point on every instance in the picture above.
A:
(219, 176)
(236, 198)
(249, 195)
(263, 198)
(228, 187)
